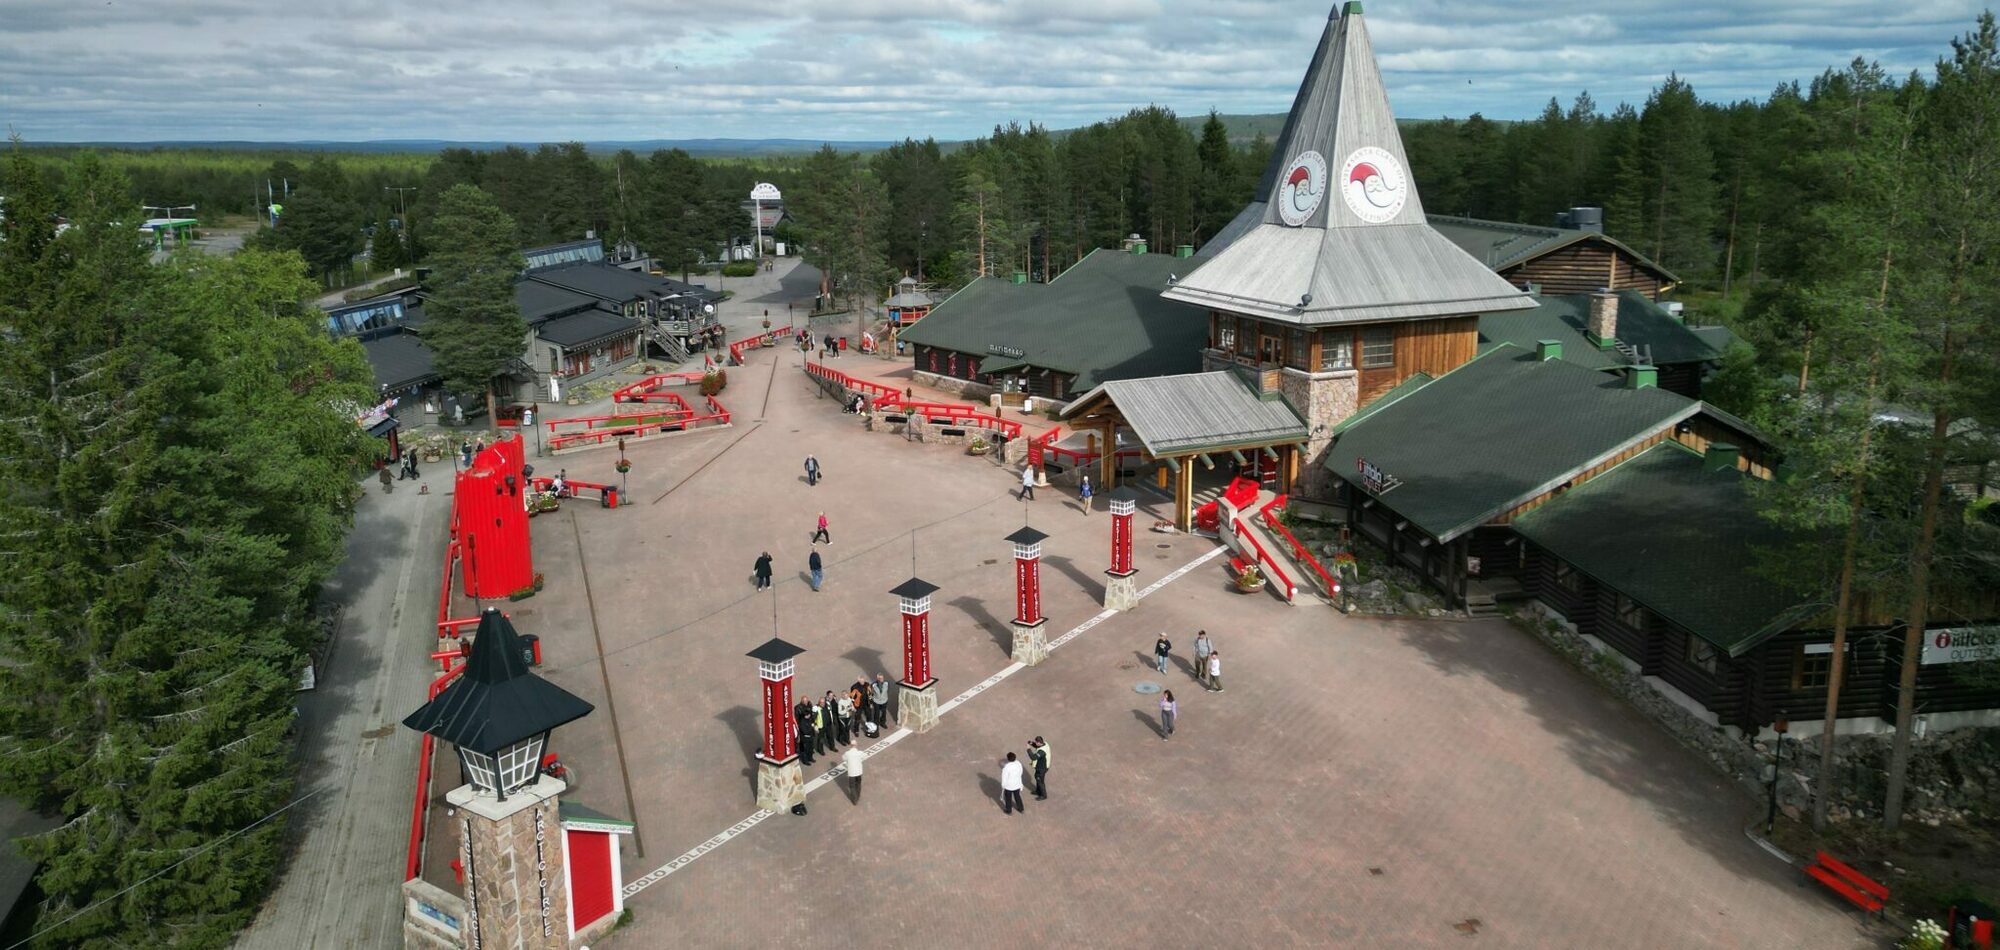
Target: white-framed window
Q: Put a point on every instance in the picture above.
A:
(1336, 351)
(1378, 347)
(518, 764)
(478, 768)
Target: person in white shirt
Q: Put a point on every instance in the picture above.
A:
(852, 760)
(1010, 785)
(1215, 670)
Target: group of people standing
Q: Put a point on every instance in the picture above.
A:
(838, 718)
(1014, 772)
(1207, 671)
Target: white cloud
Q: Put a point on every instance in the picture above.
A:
(867, 69)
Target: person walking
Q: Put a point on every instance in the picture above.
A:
(852, 760)
(1215, 670)
(814, 567)
(803, 715)
(1168, 711)
(1027, 483)
(465, 452)
(1203, 646)
(414, 471)
(812, 470)
(763, 570)
(819, 533)
(1084, 493)
(1161, 649)
(1010, 786)
(383, 472)
(878, 698)
(1038, 758)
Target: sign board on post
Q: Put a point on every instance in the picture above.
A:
(765, 191)
(1962, 645)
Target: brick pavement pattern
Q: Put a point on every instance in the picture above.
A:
(1360, 782)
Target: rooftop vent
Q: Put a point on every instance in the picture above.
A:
(1721, 456)
(1546, 350)
(1582, 219)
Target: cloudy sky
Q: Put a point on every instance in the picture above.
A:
(122, 70)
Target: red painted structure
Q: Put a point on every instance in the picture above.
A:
(491, 511)
(1122, 507)
(591, 894)
(597, 430)
(774, 669)
(1300, 553)
(1028, 577)
(889, 399)
(914, 600)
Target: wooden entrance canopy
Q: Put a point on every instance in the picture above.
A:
(1189, 420)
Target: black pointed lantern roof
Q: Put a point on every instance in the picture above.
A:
(775, 650)
(916, 588)
(1027, 535)
(496, 703)
(1123, 493)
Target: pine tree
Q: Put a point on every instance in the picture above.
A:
(475, 328)
(1679, 169)
(385, 248)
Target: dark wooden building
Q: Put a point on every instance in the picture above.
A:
(1557, 260)
(1664, 561)
(1611, 331)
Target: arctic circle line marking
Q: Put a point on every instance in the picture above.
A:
(757, 817)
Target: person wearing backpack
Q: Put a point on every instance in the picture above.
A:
(1038, 758)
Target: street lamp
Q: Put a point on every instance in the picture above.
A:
(923, 231)
(1777, 761)
(402, 208)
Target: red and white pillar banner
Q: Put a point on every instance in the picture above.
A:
(780, 744)
(917, 641)
(1121, 536)
(1028, 584)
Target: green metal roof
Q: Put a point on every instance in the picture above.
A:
(1642, 324)
(1678, 538)
(1198, 412)
(1415, 382)
(1102, 319)
(1496, 432)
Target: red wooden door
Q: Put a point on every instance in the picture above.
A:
(589, 876)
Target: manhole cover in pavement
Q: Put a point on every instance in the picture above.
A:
(1145, 687)
(1163, 546)
(991, 560)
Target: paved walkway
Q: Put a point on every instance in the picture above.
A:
(1360, 783)
(338, 888)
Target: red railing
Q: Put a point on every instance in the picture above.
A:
(599, 429)
(414, 864)
(766, 338)
(1264, 557)
(1299, 551)
(649, 388)
(889, 399)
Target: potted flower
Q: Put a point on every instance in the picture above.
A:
(1249, 580)
(624, 465)
(977, 447)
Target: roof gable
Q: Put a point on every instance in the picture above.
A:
(1497, 432)
(1504, 244)
(1196, 412)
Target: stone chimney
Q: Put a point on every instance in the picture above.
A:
(1602, 324)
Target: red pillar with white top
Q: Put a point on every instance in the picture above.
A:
(1121, 587)
(1030, 647)
(916, 705)
(780, 781)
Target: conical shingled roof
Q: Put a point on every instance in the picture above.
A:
(496, 702)
(1337, 233)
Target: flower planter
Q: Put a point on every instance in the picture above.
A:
(1243, 588)
(978, 449)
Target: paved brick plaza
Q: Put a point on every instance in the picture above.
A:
(1360, 783)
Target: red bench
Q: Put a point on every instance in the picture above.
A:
(1853, 886)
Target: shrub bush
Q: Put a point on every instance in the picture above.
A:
(739, 269)
(714, 382)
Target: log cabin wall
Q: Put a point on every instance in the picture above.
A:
(1435, 347)
(1581, 477)
(1585, 267)
(1702, 430)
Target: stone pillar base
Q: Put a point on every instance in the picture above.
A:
(1121, 592)
(779, 787)
(1030, 647)
(916, 706)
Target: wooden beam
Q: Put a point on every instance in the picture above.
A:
(1107, 460)
(1184, 498)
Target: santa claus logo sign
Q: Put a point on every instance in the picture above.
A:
(1300, 191)
(1374, 185)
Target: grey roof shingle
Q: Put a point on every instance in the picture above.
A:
(1336, 266)
(1503, 244)
(1682, 540)
(1101, 319)
(585, 328)
(541, 301)
(1497, 432)
(400, 360)
(1641, 323)
(1196, 412)
(604, 282)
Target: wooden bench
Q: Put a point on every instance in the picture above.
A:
(1853, 886)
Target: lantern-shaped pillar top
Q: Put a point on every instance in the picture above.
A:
(774, 659)
(915, 595)
(1123, 500)
(1027, 543)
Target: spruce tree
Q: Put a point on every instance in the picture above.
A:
(475, 328)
